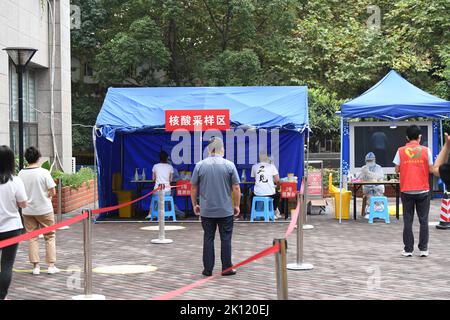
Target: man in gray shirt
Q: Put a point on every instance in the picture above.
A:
(215, 179)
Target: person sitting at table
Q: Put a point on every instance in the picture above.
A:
(266, 177)
(163, 172)
(371, 172)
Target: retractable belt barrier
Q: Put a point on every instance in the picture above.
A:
(68, 222)
(84, 215)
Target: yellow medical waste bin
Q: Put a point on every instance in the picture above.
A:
(124, 197)
(346, 197)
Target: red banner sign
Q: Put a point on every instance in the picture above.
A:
(315, 183)
(197, 120)
(288, 190)
(183, 188)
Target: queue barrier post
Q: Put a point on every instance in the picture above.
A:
(161, 218)
(280, 269)
(87, 236)
(299, 264)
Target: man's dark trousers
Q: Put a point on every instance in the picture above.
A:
(421, 203)
(226, 230)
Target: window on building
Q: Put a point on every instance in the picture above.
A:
(29, 109)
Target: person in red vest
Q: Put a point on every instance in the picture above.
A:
(414, 163)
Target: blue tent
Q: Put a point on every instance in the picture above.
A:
(130, 133)
(392, 98)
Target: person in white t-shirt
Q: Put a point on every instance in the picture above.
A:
(39, 214)
(162, 174)
(12, 197)
(266, 178)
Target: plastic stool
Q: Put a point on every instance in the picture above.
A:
(267, 210)
(168, 212)
(375, 214)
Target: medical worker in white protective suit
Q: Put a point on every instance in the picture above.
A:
(372, 172)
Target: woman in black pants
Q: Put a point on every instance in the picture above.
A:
(12, 197)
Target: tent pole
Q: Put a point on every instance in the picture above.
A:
(94, 137)
(442, 144)
(305, 189)
(340, 171)
(121, 155)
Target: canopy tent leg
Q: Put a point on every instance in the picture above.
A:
(305, 188)
(442, 146)
(340, 171)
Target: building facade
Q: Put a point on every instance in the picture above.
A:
(35, 23)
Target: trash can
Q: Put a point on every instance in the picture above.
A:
(346, 197)
(124, 197)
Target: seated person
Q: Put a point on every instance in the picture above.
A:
(266, 176)
(371, 172)
(163, 172)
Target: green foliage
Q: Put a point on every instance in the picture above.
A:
(325, 45)
(74, 180)
(323, 120)
(233, 68)
(46, 165)
(85, 109)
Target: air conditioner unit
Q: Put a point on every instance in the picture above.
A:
(74, 165)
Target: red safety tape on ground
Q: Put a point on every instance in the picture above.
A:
(174, 293)
(36, 233)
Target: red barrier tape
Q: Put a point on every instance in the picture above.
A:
(82, 216)
(294, 219)
(107, 209)
(34, 234)
(257, 256)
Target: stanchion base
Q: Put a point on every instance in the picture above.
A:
(301, 266)
(64, 228)
(89, 297)
(160, 241)
(308, 227)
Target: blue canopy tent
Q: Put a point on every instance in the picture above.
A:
(130, 131)
(392, 98)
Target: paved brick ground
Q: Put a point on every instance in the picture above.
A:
(354, 260)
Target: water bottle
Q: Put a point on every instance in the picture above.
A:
(243, 176)
(143, 174)
(136, 174)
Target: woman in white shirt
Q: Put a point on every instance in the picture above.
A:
(39, 214)
(162, 173)
(12, 197)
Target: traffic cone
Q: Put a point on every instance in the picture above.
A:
(444, 220)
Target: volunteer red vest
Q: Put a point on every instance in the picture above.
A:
(413, 167)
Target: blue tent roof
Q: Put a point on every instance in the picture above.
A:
(395, 98)
(131, 109)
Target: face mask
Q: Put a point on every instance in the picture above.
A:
(370, 164)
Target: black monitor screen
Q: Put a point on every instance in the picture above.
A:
(383, 141)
